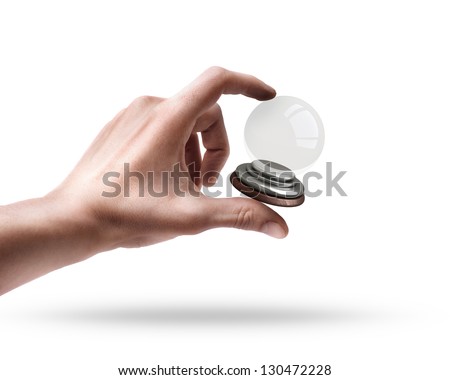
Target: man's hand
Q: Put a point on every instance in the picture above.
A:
(156, 142)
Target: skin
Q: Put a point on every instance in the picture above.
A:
(74, 221)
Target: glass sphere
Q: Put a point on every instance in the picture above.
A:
(285, 130)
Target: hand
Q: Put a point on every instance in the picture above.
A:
(100, 206)
(155, 135)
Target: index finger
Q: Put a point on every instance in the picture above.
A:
(204, 91)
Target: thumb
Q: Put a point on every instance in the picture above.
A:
(246, 214)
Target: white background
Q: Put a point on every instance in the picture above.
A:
(361, 283)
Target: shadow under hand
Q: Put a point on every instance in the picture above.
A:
(159, 315)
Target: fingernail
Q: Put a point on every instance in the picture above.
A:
(273, 229)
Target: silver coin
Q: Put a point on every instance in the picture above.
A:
(273, 170)
(280, 182)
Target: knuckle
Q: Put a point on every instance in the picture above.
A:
(244, 218)
(226, 151)
(144, 101)
(216, 72)
(218, 111)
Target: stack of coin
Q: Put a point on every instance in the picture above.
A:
(268, 182)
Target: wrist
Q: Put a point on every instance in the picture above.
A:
(40, 235)
(71, 222)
